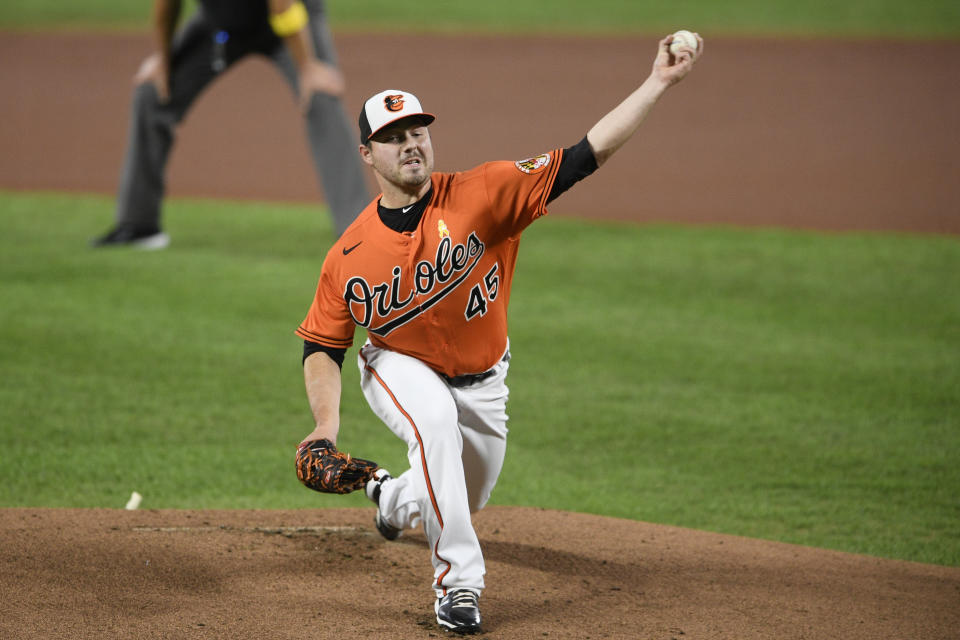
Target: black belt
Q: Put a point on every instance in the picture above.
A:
(468, 379)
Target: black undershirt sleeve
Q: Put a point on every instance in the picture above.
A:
(337, 355)
(578, 162)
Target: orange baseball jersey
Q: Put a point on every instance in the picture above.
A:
(439, 294)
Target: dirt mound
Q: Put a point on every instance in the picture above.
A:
(72, 573)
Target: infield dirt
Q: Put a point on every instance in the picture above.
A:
(814, 135)
(328, 574)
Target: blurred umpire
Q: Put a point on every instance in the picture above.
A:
(291, 33)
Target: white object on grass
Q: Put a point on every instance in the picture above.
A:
(133, 502)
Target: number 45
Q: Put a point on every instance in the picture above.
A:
(483, 292)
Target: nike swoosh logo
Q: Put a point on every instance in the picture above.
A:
(346, 251)
(405, 209)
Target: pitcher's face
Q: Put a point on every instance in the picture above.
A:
(401, 154)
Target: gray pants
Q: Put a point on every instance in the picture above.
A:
(152, 124)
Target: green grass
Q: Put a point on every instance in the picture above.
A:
(855, 18)
(792, 386)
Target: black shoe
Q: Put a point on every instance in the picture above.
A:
(458, 611)
(374, 485)
(122, 236)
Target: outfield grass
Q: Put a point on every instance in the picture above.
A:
(854, 18)
(792, 386)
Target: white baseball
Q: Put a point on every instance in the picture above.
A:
(683, 38)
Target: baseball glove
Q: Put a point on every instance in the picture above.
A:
(322, 468)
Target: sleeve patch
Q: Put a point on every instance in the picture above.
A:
(534, 165)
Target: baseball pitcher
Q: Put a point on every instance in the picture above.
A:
(426, 269)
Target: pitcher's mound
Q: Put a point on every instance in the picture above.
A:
(72, 573)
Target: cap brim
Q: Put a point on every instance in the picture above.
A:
(425, 118)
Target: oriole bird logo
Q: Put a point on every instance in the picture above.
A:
(393, 102)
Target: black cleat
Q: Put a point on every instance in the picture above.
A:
(458, 611)
(138, 239)
(374, 485)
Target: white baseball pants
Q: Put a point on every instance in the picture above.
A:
(456, 440)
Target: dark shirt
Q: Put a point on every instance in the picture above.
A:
(237, 16)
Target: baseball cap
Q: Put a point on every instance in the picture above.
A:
(386, 108)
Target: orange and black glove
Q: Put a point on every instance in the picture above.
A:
(322, 468)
